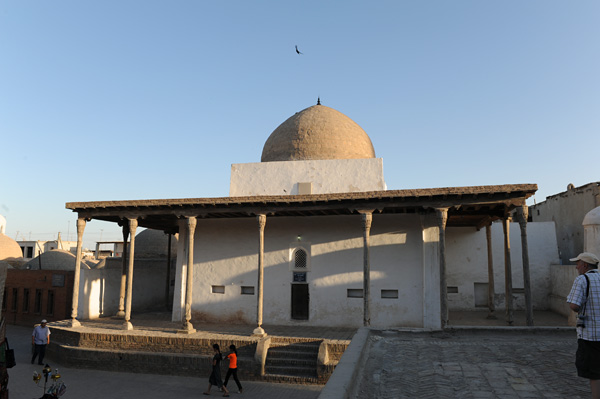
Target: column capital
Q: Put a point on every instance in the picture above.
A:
(191, 222)
(125, 229)
(442, 216)
(133, 224)
(262, 220)
(522, 214)
(367, 219)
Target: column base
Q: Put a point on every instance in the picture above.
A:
(259, 332)
(127, 325)
(73, 323)
(187, 328)
(491, 316)
(119, 315)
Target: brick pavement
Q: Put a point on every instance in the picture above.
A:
(472, 364)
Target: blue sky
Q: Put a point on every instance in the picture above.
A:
(117, 100)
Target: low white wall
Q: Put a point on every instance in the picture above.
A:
(99, 288)
(561, 277)
(467, 264)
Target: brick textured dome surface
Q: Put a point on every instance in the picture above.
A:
(153, 243)
(9, 248)
(317, 132)
(56, 259)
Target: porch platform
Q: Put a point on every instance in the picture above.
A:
(159, 323)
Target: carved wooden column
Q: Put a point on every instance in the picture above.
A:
(133, 224)
(367, 218)
(490, 256)
(442, 218)
(262, 221)
(80, 227)
(187, 327)
(522, 213)
(121, 311)
(168, 282)
(507, 271)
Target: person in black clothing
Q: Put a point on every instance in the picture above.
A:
(215, 376)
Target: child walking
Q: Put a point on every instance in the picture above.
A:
(215, 376)
(232, 368)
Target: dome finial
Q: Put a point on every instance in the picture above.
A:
(319, 100)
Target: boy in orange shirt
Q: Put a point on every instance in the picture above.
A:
(232, 368)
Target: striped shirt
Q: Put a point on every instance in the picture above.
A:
(591, 331)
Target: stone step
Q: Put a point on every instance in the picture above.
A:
(288, 379)
(309, 363)
(278, 353)
(300, 344)
(293, 359)
(292, 371)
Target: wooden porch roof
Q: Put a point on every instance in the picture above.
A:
(467, 206)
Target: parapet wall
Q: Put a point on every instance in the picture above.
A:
(175, 354)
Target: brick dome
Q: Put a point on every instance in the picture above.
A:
(56, 259)
(153, 244)
(317, 133)
(9, 249)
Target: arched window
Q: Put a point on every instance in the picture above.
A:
(300, 259)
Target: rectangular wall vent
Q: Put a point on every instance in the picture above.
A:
(218, 289)
(247, 290)
(355, 293)
(391, 294)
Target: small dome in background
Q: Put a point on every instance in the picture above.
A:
(317, 133)
(9, 249)
(57, 259)
(592, 217)
(154, 244)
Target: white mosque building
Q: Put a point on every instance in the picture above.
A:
(312, 236)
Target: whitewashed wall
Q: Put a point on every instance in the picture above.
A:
(467, 263)
(326, 176)
(561, 277)
(404, 257)
(99, 288)
(225, 254)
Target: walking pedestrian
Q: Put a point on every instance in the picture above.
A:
(232, 370)
(215, 375)
(584, 299)
(39, 339)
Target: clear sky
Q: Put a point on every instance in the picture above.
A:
(141, 99)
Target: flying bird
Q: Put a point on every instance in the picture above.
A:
(298, 51)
